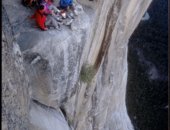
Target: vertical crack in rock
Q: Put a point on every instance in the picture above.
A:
(15, 85)
(110, 24)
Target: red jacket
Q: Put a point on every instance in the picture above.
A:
(40, 19)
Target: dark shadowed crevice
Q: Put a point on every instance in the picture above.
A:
(41, 104)
(63, 111)
(110, 24)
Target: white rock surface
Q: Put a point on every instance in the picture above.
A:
(53, 61)
(46, 118)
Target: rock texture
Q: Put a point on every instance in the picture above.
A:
(46, 118)
(53, 61)
(15, 97)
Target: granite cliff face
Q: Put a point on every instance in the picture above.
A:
(44, 74)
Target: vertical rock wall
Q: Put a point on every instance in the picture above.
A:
(15, 96)
(53, 64)
(102, 105)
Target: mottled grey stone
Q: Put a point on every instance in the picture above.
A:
(51, 61)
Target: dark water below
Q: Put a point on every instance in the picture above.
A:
(147, 87)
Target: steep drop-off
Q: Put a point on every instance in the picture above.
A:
(148, 70)
(52, 61)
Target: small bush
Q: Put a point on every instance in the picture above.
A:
(87, 73)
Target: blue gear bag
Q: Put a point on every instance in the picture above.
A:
(65, 3)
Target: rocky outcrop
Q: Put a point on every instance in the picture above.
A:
(53, 60)
(15, 85)
(46, 118)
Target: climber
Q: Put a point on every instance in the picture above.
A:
(51, 8)
(66, 11)
(41, 18)
(49, 5)
(65, 4)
